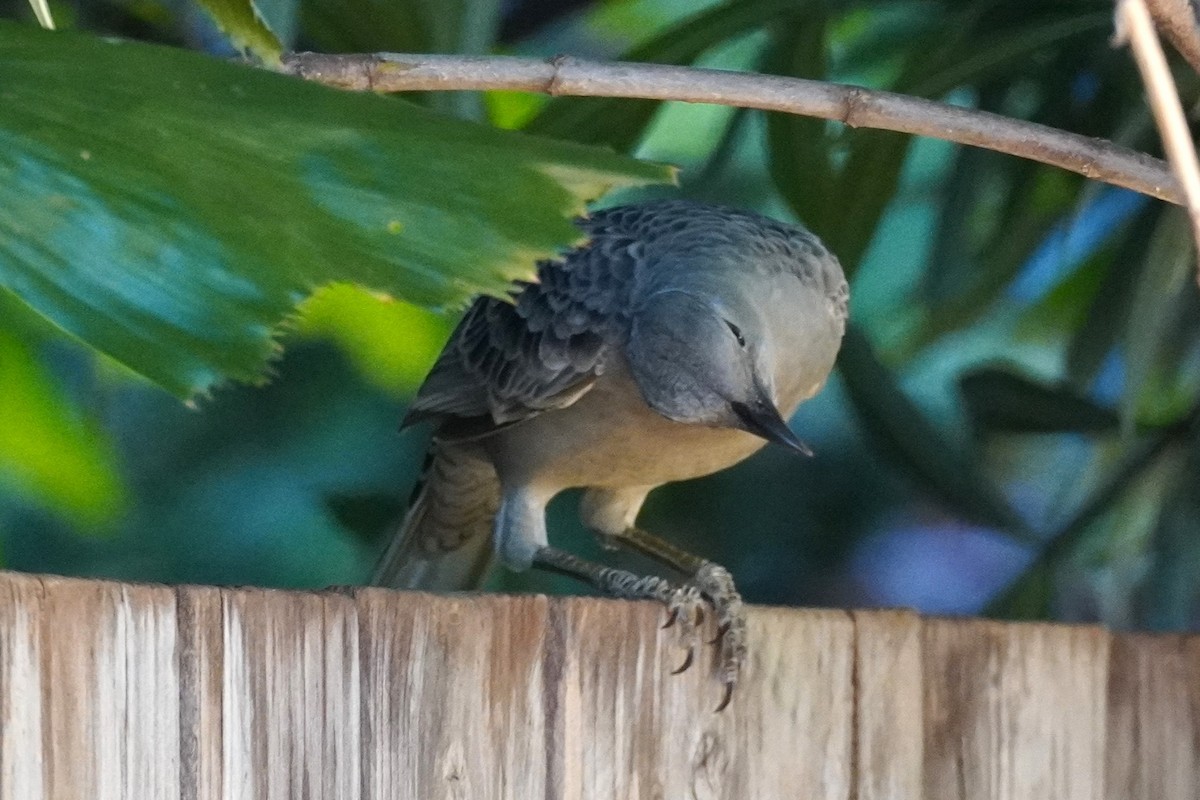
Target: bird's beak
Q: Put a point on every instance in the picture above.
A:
(762, 419)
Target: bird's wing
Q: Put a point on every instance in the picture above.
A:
(506, 362)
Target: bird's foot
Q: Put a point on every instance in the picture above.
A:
(710, 586)
(716, 585)
(685, 613)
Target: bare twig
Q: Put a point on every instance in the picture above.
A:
(1135, 24)
(41, 10)
(1177, 21)
(1098, 159)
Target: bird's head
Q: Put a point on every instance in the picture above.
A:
(707, 358)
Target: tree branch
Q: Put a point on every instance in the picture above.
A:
(1135, 24)
(1097, 159)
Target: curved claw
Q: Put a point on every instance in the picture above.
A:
(672, 616)
(720, 634)
(725, 700)
(687, 662)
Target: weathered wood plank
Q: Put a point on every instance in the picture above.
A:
(21, 707)
(1014, 712)
(1153, 748)
(112, 690)
(290, 708)
(201, 618)
(631, 729)
(888, 714)
(109, 690)
(453, 694)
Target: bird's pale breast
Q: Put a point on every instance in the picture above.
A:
(610, 438)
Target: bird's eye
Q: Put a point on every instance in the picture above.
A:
(737, 333)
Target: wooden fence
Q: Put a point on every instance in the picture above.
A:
(111, 690)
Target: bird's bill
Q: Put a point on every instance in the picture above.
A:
(763, 419)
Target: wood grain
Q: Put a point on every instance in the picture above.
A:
(112, 690)
(1014, 711)
(889, 721)
(1153, 747)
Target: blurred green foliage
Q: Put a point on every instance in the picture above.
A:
(246, 28)
(45, 449)
(217, 196)
(392, 344)
(1013, 425)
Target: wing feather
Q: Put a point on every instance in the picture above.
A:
(506, 362)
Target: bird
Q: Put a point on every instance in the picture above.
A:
(674, 342)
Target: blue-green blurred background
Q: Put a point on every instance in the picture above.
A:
(1010, 429)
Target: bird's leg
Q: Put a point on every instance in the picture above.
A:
(520, 536)
(660, 550)
(684, 602)
(715, 583)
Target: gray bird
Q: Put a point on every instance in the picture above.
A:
(671, 345)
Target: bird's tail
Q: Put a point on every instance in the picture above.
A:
(444, 541)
